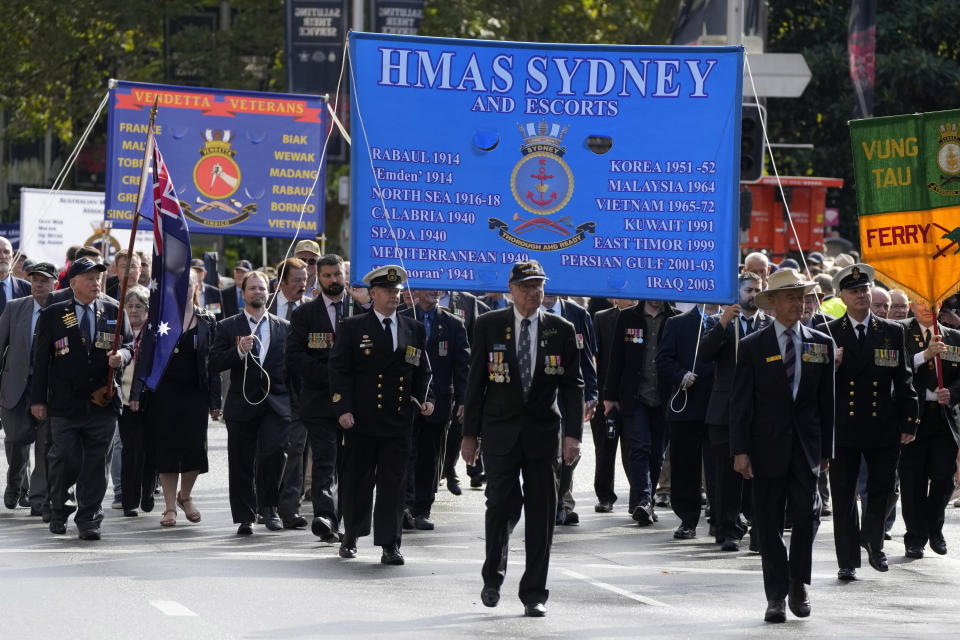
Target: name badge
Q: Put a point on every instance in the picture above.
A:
(443, 348)
(412, 356)
(774, 358)
(886, 357)
(813, 352)
(552, 365)
(498, 370)
(499, 347)
(633, 335)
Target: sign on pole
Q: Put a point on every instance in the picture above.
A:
(616, 167)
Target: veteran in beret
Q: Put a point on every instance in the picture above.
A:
(379, 380)
(876, 413)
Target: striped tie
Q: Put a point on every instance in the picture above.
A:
(789, 359)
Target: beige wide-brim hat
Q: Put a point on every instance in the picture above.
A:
(783, 280)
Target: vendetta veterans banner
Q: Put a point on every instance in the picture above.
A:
(243, 162)
(616, 167)
(907, 171)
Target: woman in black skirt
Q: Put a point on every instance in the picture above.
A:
(177, 410)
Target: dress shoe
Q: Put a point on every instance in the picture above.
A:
(36, 511)
(535, 610)
(331, 538)
(245, 529)
(490, 596)
(476, 481)
(685, 533)
(259, 519)
(271, 520)
(663, 500)
(776, 611)
(798, 600)
(147, 503)
(643, 514)
(24, 499)
(939, 546)
(730, 544)
(89, 534)
(130, 513)
(825, 509)
(571, 517)
(391, 555)
(46, 515)
(878, 559)
(58, 527)
(423, 523)
(10, 500)
(453, 485)
(321, 527)
(348, 549)
(296, 521)
(914, 552)
(603, 507)
(408, 522)
(846, 574)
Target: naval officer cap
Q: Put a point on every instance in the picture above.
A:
(527, 270)
(81, 266)
(389, 276)
(853, 276)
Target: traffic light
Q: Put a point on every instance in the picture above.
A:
(751, 143)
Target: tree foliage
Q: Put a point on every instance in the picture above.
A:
(917, 70)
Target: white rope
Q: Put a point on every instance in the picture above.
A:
(693, 369)
(383, 205)
(783, 195)
(293, 242)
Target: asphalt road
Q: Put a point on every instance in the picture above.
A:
(608, 579)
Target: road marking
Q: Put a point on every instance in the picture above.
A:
(614, 589)
(171, 608)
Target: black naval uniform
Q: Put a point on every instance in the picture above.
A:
(449, 353)
(522, 433)
(377, 384)
(928, 463)
(876, 403)
(67, 368)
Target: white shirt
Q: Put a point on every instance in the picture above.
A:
(743, 322)
(393, 325)
(865, 323)
(444, 300)
(332, 311)
(33, 319)
(264, 334)
(782, 342)
(283, 303)
(919, 359)
(534, 320)
(555, 308)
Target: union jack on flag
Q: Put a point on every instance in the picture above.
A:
(170, 278)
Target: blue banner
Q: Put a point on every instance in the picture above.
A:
(242, 162)
(617, 167)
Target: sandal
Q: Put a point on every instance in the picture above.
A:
(169, 521)
(193, 514)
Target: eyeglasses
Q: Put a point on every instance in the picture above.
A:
(311, 261)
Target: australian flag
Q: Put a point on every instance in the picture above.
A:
(170, 278)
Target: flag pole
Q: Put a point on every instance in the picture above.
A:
(104, 395)
(936, 333)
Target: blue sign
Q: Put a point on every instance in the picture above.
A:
(617, 167)
(242, 162)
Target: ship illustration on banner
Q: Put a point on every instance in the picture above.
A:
(217, 177)
(542, 184)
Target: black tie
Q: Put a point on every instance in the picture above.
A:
(789, 358)
(749, 323)
(386, 328)
(3, 295)
(338, 313)
(291, 307)
(861, 334)
(926, 338)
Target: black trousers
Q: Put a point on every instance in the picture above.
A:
(796, 492)
(255, 461)
(78, 457)
(427, 445)
(727, 498)
(927, 466)
(605, 458)
(374, 462)
(505, 500)
(138, 467)
(452, 451)
(849, 531)
(686, 469)
(40, 478)
(291, 485)
(326, 453)
(18, 468)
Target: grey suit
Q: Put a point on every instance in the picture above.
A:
(21, 428)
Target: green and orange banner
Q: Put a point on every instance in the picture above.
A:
(907, 171)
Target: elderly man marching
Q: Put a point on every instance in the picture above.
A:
(781, 435)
